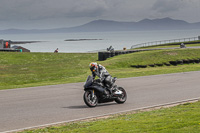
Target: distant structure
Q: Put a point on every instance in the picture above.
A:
(4, 43)
(21, 49)
(5, 46)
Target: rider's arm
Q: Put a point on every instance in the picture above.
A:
(93, 75)
(102, 73)
(102, 76)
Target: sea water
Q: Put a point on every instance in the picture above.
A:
(94, 41)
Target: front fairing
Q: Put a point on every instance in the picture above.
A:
(88, 82)
(91, 85)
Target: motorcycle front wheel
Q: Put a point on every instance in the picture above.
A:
(90, 98)
(122, 98)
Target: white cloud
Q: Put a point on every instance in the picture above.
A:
(65, 13)
(42, 9)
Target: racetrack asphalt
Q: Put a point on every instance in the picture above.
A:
(31, 107)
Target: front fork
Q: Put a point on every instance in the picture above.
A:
(92, 94)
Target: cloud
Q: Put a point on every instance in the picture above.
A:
(179, 9)
(66, 13)
(42, 9)
(164, 6)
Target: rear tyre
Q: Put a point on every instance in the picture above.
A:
(122, 98)
(90, 101)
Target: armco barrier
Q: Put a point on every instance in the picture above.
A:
(163, 42)
(104, 55)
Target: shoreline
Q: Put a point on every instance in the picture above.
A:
(82, 39)
(24, 42)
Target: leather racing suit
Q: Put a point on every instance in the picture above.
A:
(103, 75)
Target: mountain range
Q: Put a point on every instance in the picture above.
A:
(109, 25)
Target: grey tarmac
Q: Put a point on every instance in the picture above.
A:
(35, 106)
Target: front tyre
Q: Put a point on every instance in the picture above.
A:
(90, 99)
(122, 97)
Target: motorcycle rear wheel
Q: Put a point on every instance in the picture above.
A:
(89, 100)
(122, 98)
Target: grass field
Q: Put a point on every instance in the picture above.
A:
(37, 69)
(18, 70)
(180, 119)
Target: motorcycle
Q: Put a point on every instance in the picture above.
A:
(182, 45)
(96, 92)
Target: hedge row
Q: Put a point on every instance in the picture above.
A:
(173, 63)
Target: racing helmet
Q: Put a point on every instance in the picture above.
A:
(93, 66)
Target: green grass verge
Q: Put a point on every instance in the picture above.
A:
(152, 57)
(180, 119)
(120, 66)
(18, 70)
(37, 69)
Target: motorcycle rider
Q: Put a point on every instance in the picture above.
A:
(102, 73)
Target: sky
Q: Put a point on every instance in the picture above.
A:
(48, 14)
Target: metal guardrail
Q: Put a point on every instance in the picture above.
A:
(165, 42)
(104, 55)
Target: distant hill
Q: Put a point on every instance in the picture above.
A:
(108, 25)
